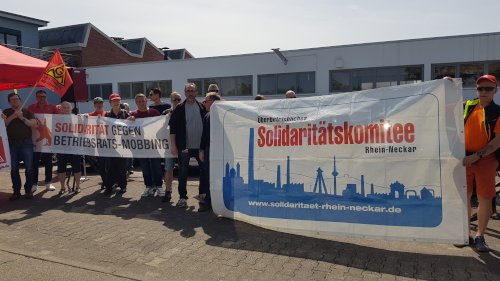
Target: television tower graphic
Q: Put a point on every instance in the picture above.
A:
(250, 158)
(288, 170)
(334, 174)
(278, 177)
(320, 182)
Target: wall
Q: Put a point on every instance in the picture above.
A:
(425, 52)
(29, 32)
(101, 51)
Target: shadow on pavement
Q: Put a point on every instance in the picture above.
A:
(231, 234)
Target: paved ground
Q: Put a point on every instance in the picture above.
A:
(92, 237)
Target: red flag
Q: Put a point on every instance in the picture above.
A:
(56, 76)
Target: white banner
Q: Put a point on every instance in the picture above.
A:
(4, 149)
(101, 136)
(382, 163)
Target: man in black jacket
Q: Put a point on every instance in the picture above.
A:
(186, 126)
(206, 202)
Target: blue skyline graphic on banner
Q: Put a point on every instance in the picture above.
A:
(400, 206)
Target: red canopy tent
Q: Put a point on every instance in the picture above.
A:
(18, 70)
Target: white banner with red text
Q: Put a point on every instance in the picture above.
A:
(4, 149)
(101, 136)
(382, 163)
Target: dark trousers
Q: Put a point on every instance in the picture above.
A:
(183, 159)
(22, 151)
(46, 160)
(151, 171)
(205, 177)
(115, 172)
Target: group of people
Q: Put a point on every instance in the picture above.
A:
(190, 138)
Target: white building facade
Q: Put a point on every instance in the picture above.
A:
(315, 71)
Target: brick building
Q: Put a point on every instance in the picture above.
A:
(92, 47)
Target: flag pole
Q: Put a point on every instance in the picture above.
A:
(31, 93)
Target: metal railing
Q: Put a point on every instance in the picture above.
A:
(46, 55)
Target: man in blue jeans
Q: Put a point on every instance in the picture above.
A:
(186, 126)
(19, 122)
(151, 167)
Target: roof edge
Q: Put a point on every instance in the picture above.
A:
(37, 22)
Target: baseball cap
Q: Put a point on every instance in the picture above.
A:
(114, 97)
(487, 77)
(98, 99)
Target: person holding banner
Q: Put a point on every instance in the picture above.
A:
(63, 159)
(482, 139)
(186, 126)
(19, 122)
(151, 167)
(206, 202)
(98, 107)
(168, 176)
(101, 161)
(42, 107)
(115, 167)
(155, 96)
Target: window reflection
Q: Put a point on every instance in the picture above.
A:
(364, 79)
(277, 84)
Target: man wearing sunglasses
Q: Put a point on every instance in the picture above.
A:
(158, 104)
(482, 139)
(42, 107)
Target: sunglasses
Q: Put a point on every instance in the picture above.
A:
(176, 99)
(485, 89)
(216, 91)
(41, 96)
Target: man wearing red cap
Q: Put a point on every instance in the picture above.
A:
(115, 167)
(482, 139)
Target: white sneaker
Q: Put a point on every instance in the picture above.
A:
(182, 203)
(159, 191)
(34, 188)
(148, 191)
(49, 187)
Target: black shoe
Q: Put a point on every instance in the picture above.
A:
(480, 245)
(28, 196)
(122, 190)
(167, 197)
(204, 208)
(15, 197)
(107, 191)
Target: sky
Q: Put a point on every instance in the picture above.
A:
(225, 27)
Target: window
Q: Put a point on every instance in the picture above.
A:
(100, 90)
(468, 71)
(130, 89)
(494, 69)
(369, 78)
(10, 36)
(228, 86)
(276, 84)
